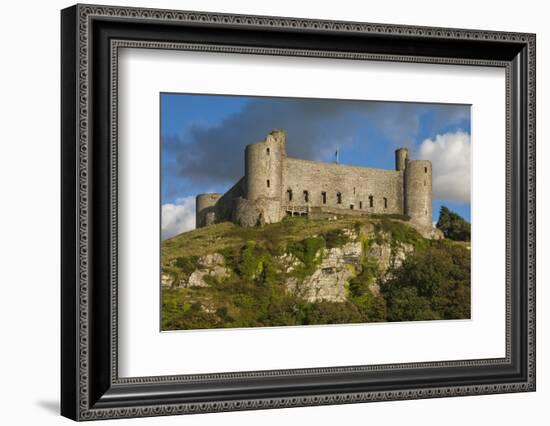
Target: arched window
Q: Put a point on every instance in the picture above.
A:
(267, 151)
(385, 203)
(425, 170)
(339, 197)
(360, 204)
(289, 194)
(267, 183)
(324, 197)
(306, 196)
(371, 201)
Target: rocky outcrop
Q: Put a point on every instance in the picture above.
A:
(289, 262)
(327, 276)
(339, 265)
(166, 280)
(211, 265)
(330, 279)
(388, 256)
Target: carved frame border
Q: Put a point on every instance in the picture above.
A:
(84, 409)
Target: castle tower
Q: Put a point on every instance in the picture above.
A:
(205, 212)
(418, 191)
(401, 158)
(264, 174)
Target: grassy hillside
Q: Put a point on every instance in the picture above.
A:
(252, 292)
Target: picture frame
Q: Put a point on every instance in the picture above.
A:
(90, 384)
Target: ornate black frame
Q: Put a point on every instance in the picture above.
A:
(90, 386)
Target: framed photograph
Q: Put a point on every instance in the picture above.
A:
(263, 212)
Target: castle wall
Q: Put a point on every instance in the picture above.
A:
(355, 185)
(418, 191)
(226, 204)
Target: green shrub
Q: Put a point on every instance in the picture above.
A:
(250, 263)
(453, 225)
(399, 232)
(361, 283)
(371, 307)
(307, 252)
(430, 284)
(335, 238)
(331, 313)
(186, 265)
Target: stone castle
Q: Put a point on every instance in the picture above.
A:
(275, 186)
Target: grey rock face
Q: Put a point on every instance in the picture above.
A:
(166, 280)
(212, 265)
(330, 279)
(289, 262)
(339, 265)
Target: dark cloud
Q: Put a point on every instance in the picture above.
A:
(212, 156)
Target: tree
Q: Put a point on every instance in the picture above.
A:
(430, 284)
(453, 225)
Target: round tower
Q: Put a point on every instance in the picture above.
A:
(418, 191)
(401, 158)
(205, 212)
(264, 174)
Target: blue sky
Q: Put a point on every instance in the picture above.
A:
(203, 139)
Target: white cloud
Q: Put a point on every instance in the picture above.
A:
(178, 217)
(450, 157)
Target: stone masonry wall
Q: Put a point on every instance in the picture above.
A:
(355, 185)
(226, 205)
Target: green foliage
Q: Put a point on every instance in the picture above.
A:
(250, 263)
(187, 264)
(335, 238)
(395, 216)
(399, 232)
(361, 283)
(371, 307)
(331, 313)
(453, 225)
(431, 284)
(180, 314)
(404, 304)
(308, 251)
